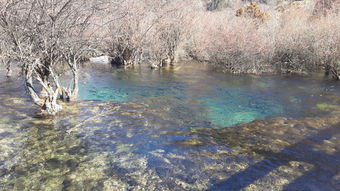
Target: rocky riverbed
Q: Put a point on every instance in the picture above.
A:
(127, 145)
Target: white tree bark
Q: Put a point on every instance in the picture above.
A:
(47, 101)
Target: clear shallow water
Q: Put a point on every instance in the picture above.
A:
(168, 142)
(221, 99)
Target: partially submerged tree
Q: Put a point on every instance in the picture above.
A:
(43, 36)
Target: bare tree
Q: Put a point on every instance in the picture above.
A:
(169, 32)
(151, 28)
(128, 27)
(42, 36)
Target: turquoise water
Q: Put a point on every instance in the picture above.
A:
(208, 95)
(162, 130)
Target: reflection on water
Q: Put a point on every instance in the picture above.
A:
(155, 137)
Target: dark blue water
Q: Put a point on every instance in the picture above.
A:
(209, 95)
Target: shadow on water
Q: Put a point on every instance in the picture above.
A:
(168, 142)
(326, 166)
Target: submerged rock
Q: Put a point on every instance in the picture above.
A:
(191, 142)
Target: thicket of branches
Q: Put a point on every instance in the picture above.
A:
(283, 37)
(45, 37)
(148, 29)
(49, 38)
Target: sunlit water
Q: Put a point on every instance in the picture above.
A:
(142, 129)
(217, 98)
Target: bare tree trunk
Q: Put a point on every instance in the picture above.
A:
(75, 90)
(9, 70)
(335, 74)
(48, 102)
(128, 57)
(69, 94)
(332, 68)
(173, 59)
(29, 85)
(138, 57)
(50, 105)
(56, 80)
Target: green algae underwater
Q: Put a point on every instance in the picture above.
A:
(183, 128)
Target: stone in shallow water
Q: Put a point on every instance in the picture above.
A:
(123, 148)
(5, 134)
(72, 164)
(190, 142)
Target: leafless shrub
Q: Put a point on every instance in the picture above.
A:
(235, 43)
(327, 44)
(43, 35)
(148, 29)
(290, 41)
(127, 36)
(325, 7)
(172, 31)
(307, 45)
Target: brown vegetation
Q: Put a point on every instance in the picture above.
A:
(292, 40)
(325, 7)
(144, 29)
(253, 11)
(48, 38)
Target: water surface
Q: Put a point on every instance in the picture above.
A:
(140, 129)
(215, 97)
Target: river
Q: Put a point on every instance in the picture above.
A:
(188, 127)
